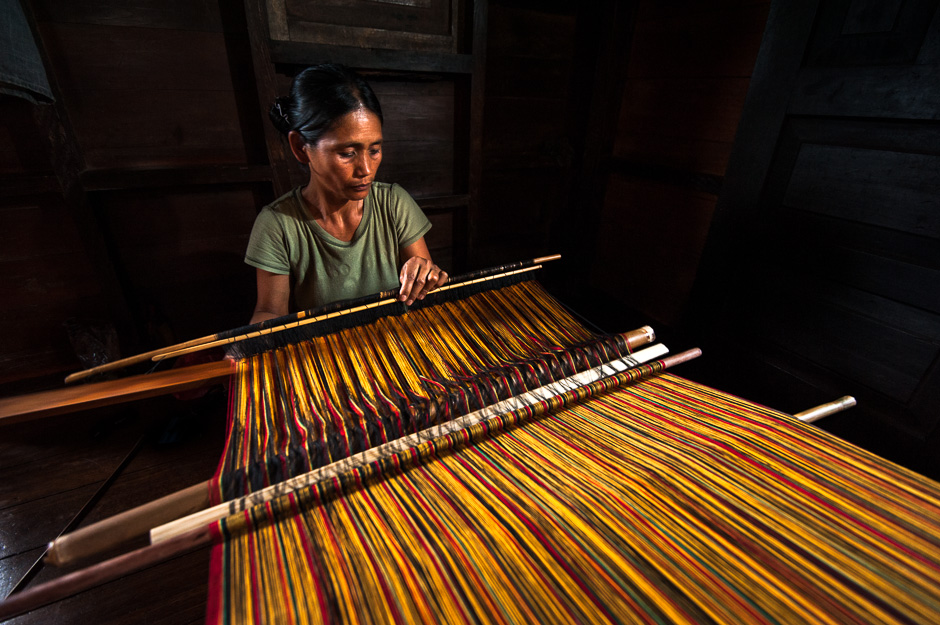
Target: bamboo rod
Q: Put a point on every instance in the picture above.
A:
(207, 342)
(824, 410)
(74, 398)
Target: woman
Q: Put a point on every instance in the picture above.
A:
(342, 234)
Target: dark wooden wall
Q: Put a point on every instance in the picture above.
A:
(822, 268)
(687, 76)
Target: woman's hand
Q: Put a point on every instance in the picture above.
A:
(419, 276)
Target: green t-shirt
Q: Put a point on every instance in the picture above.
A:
(323, 269)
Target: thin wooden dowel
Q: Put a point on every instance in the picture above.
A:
(74, 398)
(824, 410)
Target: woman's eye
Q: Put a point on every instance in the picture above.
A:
(347, 154)
(375, 151)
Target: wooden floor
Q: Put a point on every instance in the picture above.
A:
(49, 469)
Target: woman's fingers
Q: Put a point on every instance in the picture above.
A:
(419, 276)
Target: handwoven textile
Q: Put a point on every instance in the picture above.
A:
(665, 501)
(309, 403)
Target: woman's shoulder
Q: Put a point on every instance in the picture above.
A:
(285, 207)
(391, 197)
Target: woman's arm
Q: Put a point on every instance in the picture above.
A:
(419, 275)
(273, 296)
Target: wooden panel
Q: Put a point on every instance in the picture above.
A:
(173, 14)
(851, 33)
(173, 105)
(827, 233)
(182, 251)
(418, 152)
(432, 17)
(45, 278)
(877, 187)
(889, 360)
(703, 40)
(20, 139)
(891, 92)
(649, 248)
(424, 25)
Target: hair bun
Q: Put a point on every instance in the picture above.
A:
(279, 114)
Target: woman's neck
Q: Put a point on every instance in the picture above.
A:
(340, 218)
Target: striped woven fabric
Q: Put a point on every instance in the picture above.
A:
(309, 403)
(665, 501)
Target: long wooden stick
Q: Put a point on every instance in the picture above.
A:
(71, 399)
(207, 342)
(114, 531)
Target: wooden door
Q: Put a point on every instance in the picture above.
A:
(824, 262)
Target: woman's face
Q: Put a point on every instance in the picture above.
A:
(343, 163)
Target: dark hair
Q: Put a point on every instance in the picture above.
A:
(319, 96)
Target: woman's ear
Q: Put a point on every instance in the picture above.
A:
(297, 145)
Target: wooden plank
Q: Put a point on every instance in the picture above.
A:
(278, 155)
(203, 129)
(331, 34)
(679, 107)
(857, 34)
(305, 53)
(860, 348)
(877, 187)
(165, 14)
(129, 178)
(431, 17)
(890, 92)
(636, 213)
(104, 58)
(703, 40)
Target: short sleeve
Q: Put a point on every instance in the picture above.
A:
(410, 221)
(267, 246)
